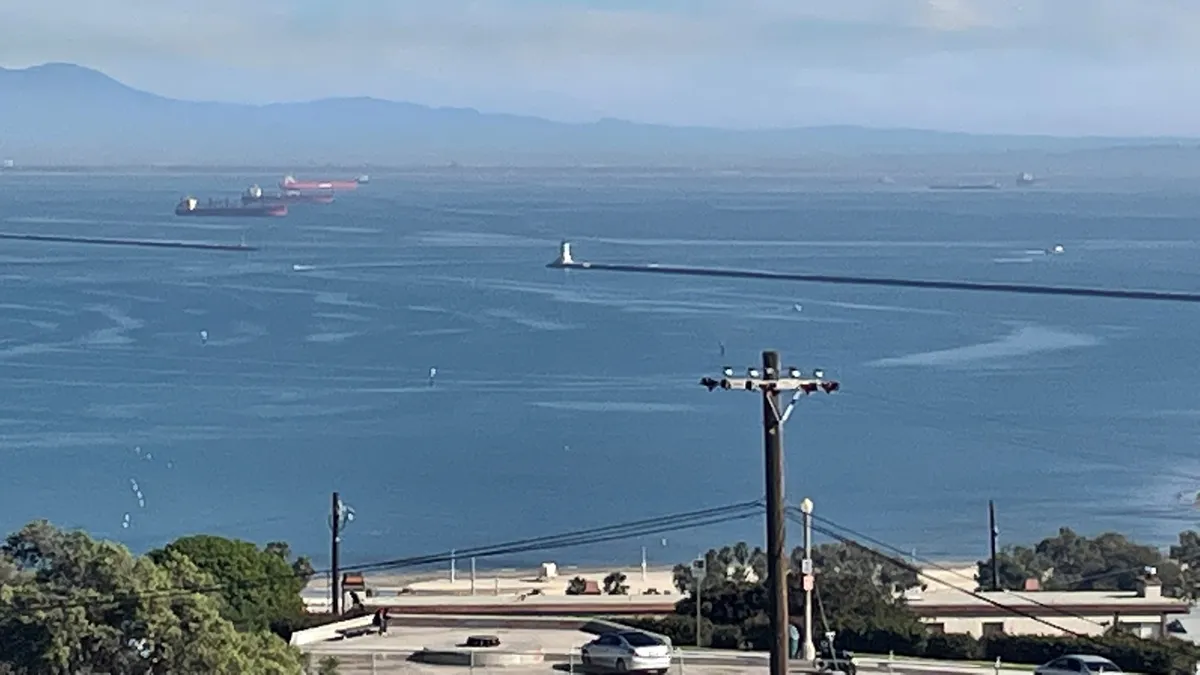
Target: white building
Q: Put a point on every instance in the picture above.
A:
(1145, 613)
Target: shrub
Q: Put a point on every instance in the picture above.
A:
(285, 627)
(952, 646)
(680, 629)
(727, 637)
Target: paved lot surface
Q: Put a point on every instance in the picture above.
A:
(363, 665)
(414, 638)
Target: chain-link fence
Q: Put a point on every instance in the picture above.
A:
(470, 662)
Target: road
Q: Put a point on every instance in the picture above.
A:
(395, 663)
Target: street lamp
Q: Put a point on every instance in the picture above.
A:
(810, 650)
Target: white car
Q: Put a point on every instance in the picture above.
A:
(628, 651)
(1077, 664)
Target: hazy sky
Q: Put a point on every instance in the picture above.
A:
(1058, 66)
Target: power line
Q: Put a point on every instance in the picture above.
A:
(1008, 608)
(897, 550)
(629, 530)
(921, 573)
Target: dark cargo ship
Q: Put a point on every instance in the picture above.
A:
(254, 195)
(965, 186)
(190, 206)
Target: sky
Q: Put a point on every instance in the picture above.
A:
(1073, 67)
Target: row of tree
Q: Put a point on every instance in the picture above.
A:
(70, 604)
(859, 594)
(1110, 561)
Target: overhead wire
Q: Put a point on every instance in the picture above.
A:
(895, 549)
(905, 565)
(660, 525)
(921, 573)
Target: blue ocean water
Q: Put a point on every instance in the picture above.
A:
(567, 400)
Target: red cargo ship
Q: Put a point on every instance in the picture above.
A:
(290, 183)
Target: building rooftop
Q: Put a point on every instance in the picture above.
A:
(948, 601)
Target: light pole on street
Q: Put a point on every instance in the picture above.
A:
(810, 650)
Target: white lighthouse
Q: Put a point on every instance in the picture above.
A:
(564, 254)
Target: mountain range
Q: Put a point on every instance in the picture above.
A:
(57, 114)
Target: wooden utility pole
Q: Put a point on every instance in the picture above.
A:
(993, 533)
(335, 573)
(777, 562)
(769, 383)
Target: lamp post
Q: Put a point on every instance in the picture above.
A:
(810, 650)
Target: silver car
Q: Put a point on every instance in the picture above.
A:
(628, 651)
(1077, 664)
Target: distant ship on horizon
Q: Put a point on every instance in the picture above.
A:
(290, 183)
(254, 195)
(190, 206)
(993, 185)
(1026, 178)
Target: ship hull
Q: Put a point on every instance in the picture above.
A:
(319, 185)
(266, 211)
(983, 186)
(289, 199)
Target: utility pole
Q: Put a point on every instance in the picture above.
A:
(340, 515)
(335, 578)
(777, 562)
(993, 533)
(810, 649)
(769, 383)
(699, 571)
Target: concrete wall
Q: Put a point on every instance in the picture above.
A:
(584, 624)
(328, 631)
(1019, 625)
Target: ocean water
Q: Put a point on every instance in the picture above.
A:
(567, 400)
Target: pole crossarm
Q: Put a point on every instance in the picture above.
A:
(802, 385)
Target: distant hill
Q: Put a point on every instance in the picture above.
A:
(67, 114)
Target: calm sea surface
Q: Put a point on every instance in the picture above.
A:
(570, 400)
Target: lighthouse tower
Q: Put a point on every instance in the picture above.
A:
(564, 254)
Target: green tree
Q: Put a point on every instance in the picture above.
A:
(76, 605)
(738, 563)
(857, 590)
(1186, 556)
(614, 584)
(257, 587)
(328, 666)
(1068, 561)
